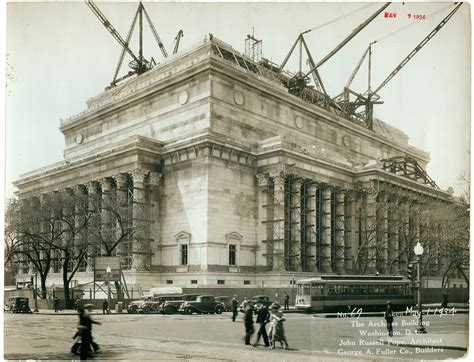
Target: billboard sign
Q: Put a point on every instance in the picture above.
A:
(100, 268)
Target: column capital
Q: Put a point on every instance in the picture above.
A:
(154, 178)
(92, 187)
(106, 183)
(262, 179)
(138, 176)
(121, 179)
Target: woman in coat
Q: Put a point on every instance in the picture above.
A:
(277, 331)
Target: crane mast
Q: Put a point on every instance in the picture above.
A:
(139, 64)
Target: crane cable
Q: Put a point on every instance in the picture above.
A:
(409, 25)
(337, 19)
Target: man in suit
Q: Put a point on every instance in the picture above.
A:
(263, 317)
(248, 321)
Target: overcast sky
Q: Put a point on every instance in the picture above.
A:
(59, 55)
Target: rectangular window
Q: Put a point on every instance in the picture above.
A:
(232, 254)
(221, 282)
(184, 254)
(194, 281)
(169, 282)
(246, 282)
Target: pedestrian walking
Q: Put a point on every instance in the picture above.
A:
(248, 321)
(85, 323)
(56, 304)
(287, 302)
(105, 307)
(76, 304)
(263, 317)
(235, 307)
(389, 318)
(444, 302)
(277, 330)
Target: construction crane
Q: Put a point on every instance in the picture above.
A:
(368, 99)
(139, 63)
(298, 84)
(176, 39)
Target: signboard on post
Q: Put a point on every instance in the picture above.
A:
(100, 268)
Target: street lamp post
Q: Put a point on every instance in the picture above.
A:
(108, 270)
(419, 253)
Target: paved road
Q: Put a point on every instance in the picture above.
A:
(217, 337)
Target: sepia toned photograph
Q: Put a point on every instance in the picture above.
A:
(284, 181)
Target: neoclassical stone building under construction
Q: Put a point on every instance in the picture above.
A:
(233, 180)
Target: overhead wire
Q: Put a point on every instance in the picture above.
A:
(409, 25)
(338, 18)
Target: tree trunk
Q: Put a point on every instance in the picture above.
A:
(118, 289)
(67, 297)
(43, 285)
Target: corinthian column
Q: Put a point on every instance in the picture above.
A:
(265, 214)
(139, 247)
(278, 222)
(95, 223)
(294, 262)
(326, 221)
(122, 183)
(340, 226)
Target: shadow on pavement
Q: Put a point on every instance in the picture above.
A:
(61, 356)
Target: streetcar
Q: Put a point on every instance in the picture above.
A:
(343, 292)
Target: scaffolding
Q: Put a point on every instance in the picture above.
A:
(306, 230)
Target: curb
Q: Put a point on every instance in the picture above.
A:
(402, 344)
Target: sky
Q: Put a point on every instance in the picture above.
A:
(59, 55)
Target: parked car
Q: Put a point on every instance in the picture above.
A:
(171, 306)
(132, 307)
(202, 304)
(18, 305)
(154, 305)
(227, 301)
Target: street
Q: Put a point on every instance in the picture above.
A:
(138, 337)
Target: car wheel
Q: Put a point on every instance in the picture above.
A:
(219, 310)
(169, 310)
(146, 310)
(133, 310)
(188, 311)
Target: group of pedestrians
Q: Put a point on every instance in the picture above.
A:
(265, 316)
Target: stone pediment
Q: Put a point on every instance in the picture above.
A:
(183, 235)
(234, 236)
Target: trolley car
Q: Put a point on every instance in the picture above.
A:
(338, 292)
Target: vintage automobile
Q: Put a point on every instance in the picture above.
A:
(154, 305)
(171, 306)
(18, 305)
(227, 301)
(132, 307)
(202, 304)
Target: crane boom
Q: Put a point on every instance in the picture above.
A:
(348, 38)
(178, 37)
(417, 48)
(111, 29)
(155, 34)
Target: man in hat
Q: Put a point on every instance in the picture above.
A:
(263, 317)
(86, 321)
(389, 318)
(235, 306)
(248, 321)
